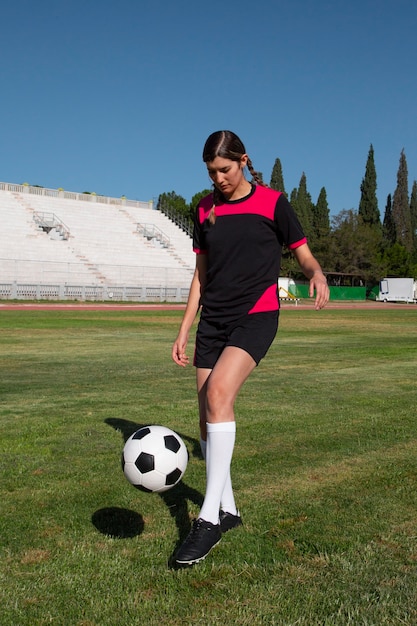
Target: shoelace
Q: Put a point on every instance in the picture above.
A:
(197, 524)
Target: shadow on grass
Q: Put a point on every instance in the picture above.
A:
(118, 523)
(122, 522)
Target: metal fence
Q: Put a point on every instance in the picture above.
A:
(53, 280)
(121, 293)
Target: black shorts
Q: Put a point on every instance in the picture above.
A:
(254, 333)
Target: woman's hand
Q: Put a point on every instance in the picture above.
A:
(312, 270)
(193, 304)
(178, 350)
(318, 285)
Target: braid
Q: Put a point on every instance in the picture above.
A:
(217, 199)
(255, 174)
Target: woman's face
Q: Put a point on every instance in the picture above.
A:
(228, 177)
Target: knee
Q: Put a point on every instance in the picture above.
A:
(218, 401)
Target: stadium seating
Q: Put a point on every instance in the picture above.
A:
(51, 237)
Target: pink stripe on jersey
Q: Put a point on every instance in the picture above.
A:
(267, 302)
(262, 202)
(297, 244)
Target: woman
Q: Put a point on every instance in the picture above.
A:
(239, 233)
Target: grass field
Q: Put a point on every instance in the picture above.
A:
(325, 474)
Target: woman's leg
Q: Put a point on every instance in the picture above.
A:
(202, 377)
(217, 397)
(217, 391)
(227, 501)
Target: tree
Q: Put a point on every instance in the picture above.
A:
(196, 199)
(413, 214)
(277, 178)
(177, 209)
(173, 202)
(397, 261)
(320, 216)
(368, 205)
(401, 207)
(321, 229)
(389, 234)
(290, 267)
(355, 248)
(303, 205)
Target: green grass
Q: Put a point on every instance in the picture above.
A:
(325, 474)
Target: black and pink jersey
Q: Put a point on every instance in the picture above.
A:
(243, 250)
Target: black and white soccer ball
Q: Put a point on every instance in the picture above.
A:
(154, 458)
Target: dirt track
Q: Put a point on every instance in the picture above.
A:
(94, 306)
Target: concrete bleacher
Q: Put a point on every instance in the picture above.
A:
(101, 243)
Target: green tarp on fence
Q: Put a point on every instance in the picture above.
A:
(336, 293)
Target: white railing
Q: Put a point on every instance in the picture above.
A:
(71, 195)
(48, 221)
(120, 293)
(150, 231)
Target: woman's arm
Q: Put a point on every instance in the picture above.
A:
(191, 310)
(312, 270)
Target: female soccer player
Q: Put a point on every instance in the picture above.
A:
(239, 233)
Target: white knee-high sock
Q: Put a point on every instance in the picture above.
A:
(219, 452)
(227, 501)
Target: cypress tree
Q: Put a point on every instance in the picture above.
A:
(413, 215)
(289, 266)
(319, 240)
(321, 220)
(368, 205)
(303, 205)
(401, 207)
(277, 178)
(389, 235)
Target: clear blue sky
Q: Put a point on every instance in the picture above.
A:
(118, 97)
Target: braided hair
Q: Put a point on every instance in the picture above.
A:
(226, 144)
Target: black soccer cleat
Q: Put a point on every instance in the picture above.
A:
(201, 539)
(229, 521)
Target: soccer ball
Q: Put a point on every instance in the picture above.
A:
(154, 459)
